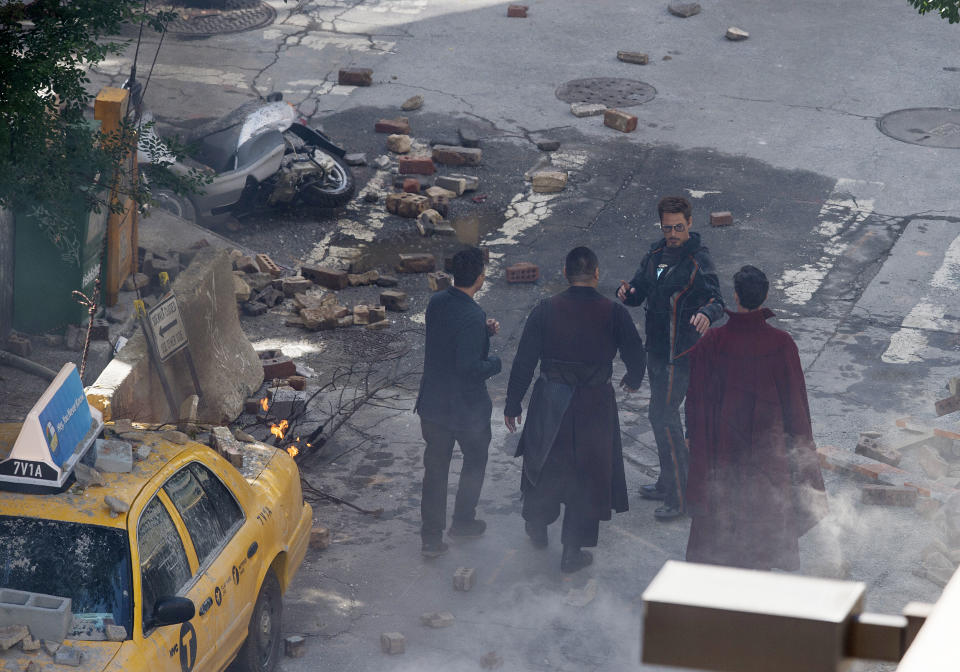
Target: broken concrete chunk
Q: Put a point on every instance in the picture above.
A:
(407, 205)
(224, 441)
(115, 633)
(113, 456)
(355, 77)
(331, 278)
(143, 452)
(10, 635)
(464, 578)
(361, 279)
(87, 476)
(393, 643)
(68, 655)
(28, 644)
(241, 290)
(455, 185)
(399, 143)
(115, 505)
(387, 281)
(437, 619)
(587, 109)
(457, 156)
(932, 464)
(378, 326)
(427, 221)
(355, 159)
(472, 181)
(549, 181)
(173, 436)
(736, 34)
(468, 137)
(319, 538)
(684, 9)
(361, 314)
(50, 646)
(247, 264)
(412, 103)
(295, 646)
(417, 262)
(394, 300)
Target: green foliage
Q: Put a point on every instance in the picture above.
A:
(947, 9)
(54, 162)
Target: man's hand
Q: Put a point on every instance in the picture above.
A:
(493, 327)
(626, 388)
(625, 290)
(701, 322)
(512, 423)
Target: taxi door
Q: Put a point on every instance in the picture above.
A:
(165, 565)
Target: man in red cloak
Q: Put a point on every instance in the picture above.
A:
(754, 485)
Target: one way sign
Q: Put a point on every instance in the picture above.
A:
(168, 331)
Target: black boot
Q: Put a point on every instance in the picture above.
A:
(574, 559)
(537, 534)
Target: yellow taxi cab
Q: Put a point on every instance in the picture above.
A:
(193, 571)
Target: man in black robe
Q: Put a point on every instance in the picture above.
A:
(453, 403)
(571, 442)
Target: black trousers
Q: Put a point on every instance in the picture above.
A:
(474, 445)
(668, 387)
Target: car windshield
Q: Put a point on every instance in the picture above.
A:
(87, 563)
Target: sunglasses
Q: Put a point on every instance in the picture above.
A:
(679, 228)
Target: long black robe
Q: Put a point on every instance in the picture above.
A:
(583, 330)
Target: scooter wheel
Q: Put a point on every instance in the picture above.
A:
(174, 203)
(333, 190)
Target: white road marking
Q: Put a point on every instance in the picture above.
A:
(694, 193)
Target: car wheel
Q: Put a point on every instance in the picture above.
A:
(261, 650)
(174, 203)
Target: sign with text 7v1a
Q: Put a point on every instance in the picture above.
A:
(56, 433)
(167, 326)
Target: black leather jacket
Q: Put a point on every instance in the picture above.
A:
(688, 287)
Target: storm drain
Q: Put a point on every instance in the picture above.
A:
(609, 91)
(235, 17)
(363, 345)
(927, 126)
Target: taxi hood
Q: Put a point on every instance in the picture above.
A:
(94, 657)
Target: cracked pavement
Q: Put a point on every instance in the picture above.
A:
(855, 231)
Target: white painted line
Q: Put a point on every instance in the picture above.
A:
(694, 193)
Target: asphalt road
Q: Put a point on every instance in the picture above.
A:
(856, 231)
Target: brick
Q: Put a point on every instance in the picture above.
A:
(361, 314)
(363, 279)
(635, 57)
(888, 495)
(412, 103)
(319, 538)
(295, 285)
(277, 365)
(298, 383)
(411, 185)
(417, 262)
(464, 578)
(437, 619)
(400, 125)
(19, 345)
(468, 137)
(395, 300)
(454, 185)
(387, 281)
(428, 221)
(416, 165)
(113, 456)
(523, 271)
(399, 143)
(439, 280)
(472, 181)
(393, 643)
(407, 205)
(517, 11)
(620, 120)
(325, 277)
(722, 218)
(268, 265)
(858, 466)
(355, 77)
(587, 109)
(947, 405)
(684, 9)
(377, 314)
(457, 156)
(871, 446)
(378, 326)
(320, 319)
(736, 34)
(549, 181)
(254, 308)
(295, 646)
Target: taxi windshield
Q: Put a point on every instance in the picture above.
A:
(87, 563)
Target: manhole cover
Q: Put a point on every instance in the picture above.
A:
(363, 345)
(236, 16)
(609, 91)
(927, 126)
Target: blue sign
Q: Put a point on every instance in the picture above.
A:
(66, 419)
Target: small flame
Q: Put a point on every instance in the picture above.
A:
(293, 451)
(264, 405)
(279, 430)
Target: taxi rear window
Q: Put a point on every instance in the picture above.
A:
(87, 563)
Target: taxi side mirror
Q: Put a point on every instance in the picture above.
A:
(172, 610)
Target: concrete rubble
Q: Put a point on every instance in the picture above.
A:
(464, 578)
(393, 643)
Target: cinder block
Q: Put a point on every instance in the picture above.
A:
(416, 165)
(355, 77)
(330, 278)
(361, 314)
(113, 456)
(41, 616)
(377, 314)
(400, 125)
(517, 11)
(439, 280)
(464, 578)
(523, 271)
(393, 643)
(395, 300)
(417, 262)
(870, 445)
(723, 218)
(295, 646)
(472, 181)
(295, 285)
(115, 633)
(319, 538)
(888, 495)
(620, 120)
(11, 635)
(635, 57)
(407, 205)
(457, 156)
(286, 402)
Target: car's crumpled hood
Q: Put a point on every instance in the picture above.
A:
(95, 657)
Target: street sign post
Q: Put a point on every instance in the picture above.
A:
(167, 326)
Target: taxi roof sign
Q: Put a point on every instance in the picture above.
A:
(57, 432)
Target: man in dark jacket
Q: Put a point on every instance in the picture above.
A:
(755, 485)
(678, 281)
(453, 403)
(571, 442)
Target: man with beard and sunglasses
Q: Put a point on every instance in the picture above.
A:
(678, 282)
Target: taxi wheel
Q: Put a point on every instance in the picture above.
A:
(262, 649)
